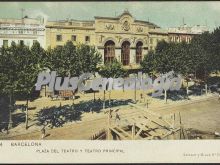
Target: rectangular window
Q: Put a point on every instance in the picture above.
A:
(87, 39)
(34, 41)
(35, 32)
(5, 43)
(177, 39)
(20, 31)
(59, 37)
(21, 42)
(73, 38)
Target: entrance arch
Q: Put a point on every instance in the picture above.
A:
(109, 51)
(139, 49)
(125, 53)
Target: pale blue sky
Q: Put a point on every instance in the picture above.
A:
(164, 14)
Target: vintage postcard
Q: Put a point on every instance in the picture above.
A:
(109, 82)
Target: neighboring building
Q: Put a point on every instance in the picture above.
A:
(185, 33)
(122, 37)
(22, 31)
(59, 32)
(157, 36)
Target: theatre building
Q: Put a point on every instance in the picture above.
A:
(122, 37)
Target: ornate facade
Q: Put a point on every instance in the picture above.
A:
(122, 37)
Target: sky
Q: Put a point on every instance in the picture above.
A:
(164, 14)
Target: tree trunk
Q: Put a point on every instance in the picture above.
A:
(104, 101)
(108, 129)
(165, 95)
(195, 74)
(206, 85)
(26, 122)
(109, 98)
(94, 96)
(45, 90)
(10, 116)
(187, 88)
(206, 89)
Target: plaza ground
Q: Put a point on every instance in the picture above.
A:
(199, 112)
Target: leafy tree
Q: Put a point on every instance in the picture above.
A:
(88, 58)
(71, 60)
(63, 59)
(113, 69)
(214, 49)
(161, 46)
(148, 64)
(201, 52)
(169, 57)
(19, 69)
(31, 61)
(8, 75)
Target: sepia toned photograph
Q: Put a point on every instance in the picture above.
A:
(109, 70)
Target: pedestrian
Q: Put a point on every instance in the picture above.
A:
(141, 96)
(110, 113)
(219, 96)
(117, 118)
(43, 132)
(91, 110)
(99, 101)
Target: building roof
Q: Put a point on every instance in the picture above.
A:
(185, 29)
(126, 12)
(31, 21)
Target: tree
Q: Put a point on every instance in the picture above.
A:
(8, 76)
(63, 59)
(88, 58)
(201, 51)
(31, 60)
(214, 49)
(168, 57)
(112, 69)
(19, 69)
(148, 64)
(71, 60)
(162, 45)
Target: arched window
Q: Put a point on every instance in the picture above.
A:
(139, 52)
(109, 51)
(125, 53)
